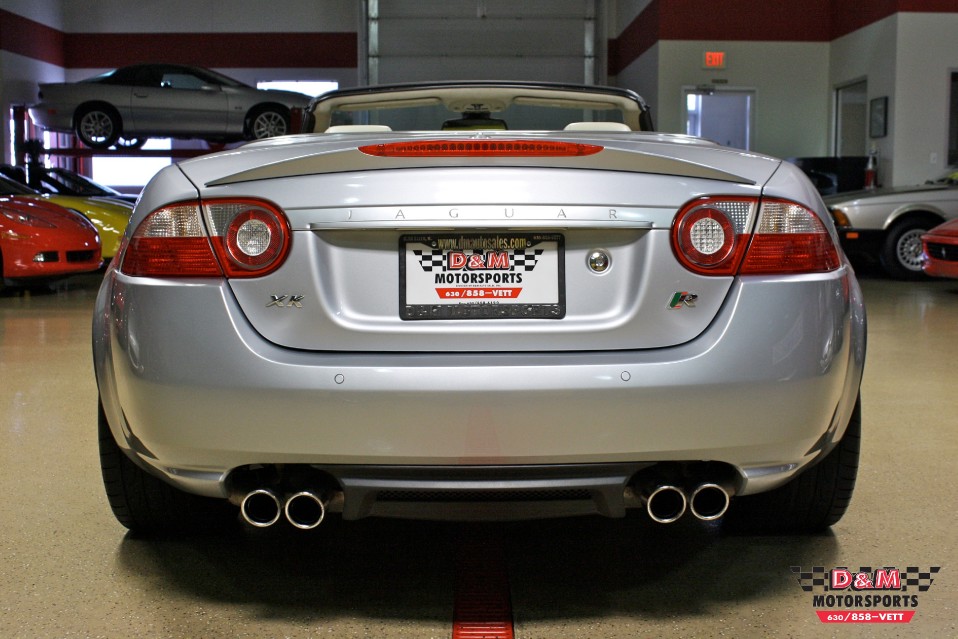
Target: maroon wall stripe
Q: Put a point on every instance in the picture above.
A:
(30, 39)
(779, 21)
(749, 20)
(220, 50)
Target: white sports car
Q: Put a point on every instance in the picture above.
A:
(479, 301)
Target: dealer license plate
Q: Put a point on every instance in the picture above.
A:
(482, 276)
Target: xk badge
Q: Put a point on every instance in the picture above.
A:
(681, 299)
(286, 301)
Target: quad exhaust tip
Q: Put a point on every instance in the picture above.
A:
(709, 502)
(262, 508)
(305, 510)
(666, 504)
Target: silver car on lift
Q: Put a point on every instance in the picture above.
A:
(479, 301)
(127, 105)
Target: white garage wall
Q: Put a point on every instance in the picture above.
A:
(919, 111)
(895, 57)
(790, 79)
(48, 12)
(790, 115)
(869, 54)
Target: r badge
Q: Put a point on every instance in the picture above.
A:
(683, 298)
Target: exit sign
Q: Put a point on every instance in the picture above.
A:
(714, 60)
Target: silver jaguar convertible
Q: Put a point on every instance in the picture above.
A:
(479, 301)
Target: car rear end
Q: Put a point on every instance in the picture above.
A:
(479, 326)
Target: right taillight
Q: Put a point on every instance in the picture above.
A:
(248, 238)
(789, 238)
(710, 236)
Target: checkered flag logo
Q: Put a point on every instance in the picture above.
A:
(525, 260)
(430, 260)
(435, 259)
(918, 578)
(912, 577)
(817, 577)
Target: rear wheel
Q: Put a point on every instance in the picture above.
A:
(98, 126)
(268, 122)
(811, 502)
(901, 250)
(146, 505)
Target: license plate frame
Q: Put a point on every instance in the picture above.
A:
(477, 275)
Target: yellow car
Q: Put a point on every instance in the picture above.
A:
(110, 217)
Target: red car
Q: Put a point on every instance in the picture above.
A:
(40, 240)
(940, 250)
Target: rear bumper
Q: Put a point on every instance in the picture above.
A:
(54, 117)
(196, 394)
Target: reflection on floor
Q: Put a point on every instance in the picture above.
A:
(67, 569)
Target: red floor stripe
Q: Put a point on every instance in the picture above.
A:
(483, 606)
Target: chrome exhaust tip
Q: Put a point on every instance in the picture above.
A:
(709, 502)
(305, 510)
(260, 508)
(666, 504)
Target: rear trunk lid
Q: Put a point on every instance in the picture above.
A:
(496, 254)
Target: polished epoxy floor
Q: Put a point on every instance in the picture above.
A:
(67, 568)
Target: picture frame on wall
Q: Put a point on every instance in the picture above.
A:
(878, 117)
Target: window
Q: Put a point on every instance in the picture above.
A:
(725, 116)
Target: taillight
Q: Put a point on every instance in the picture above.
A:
(710, 237)
(171, 242)
(248, 238)
(789, 238)
(480, 148)
(251, 237)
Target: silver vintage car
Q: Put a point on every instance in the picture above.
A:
(132, 103)
(479, 301)
(886, 225)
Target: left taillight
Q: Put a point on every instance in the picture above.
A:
(247, 238)
(710, 236)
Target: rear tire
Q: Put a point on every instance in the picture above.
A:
(98, 127)
(267, 122)
(811, 502)
(149, 506)
(901, 249)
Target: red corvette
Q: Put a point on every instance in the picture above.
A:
(940, 250)
(40, 240)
